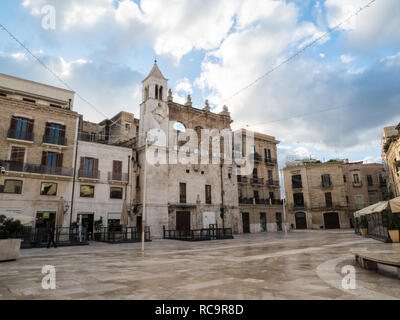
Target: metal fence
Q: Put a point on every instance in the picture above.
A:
(199, 235)
(122, 235)
(39, 237)
(376, 227)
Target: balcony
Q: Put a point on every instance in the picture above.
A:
(329, 205)
(61, 141)
(272, 183)
(246, 201)
(255, 157)
(326, 185)
(270, 161)
(123, 177)
(20, 135)
(297, 205)
(89, 174)
(357, 184)
(242, 179)
(277, 202)
(38, 169)
(257, 181)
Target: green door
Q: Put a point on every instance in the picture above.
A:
(263, 221)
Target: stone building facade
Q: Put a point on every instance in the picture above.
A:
(325, 195)
(391, 159)
(37, 146)
(259, 190)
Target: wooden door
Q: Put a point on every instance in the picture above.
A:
(246, 222)
(183, 220)
(331, 220)
(301, 220)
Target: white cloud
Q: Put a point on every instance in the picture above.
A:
(346, 58)
(370, 159)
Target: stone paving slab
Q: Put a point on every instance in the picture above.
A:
(305, 265)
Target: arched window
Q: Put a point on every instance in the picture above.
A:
(160, 96)
(156, 91)
(146, 93)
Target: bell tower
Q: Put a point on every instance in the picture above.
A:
(153, 128)
(153, 109)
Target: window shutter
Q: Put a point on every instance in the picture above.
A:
(62, 131)
(60, 157)
(117, 167)
(47, 129)
(30, 126)
(96, 165)
(44, 158)
(82, 163)
(13, 123)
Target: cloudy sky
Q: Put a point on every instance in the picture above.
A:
(332, 101)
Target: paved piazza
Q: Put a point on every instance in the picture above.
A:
(305, 265)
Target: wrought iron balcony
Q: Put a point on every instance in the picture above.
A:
(257, 180)
(20, 135)
(255, 157)
(242, 179)
(273, 183)
(298, 205)
(89, 174)
(326, 184)
(270, 161)
(113, 176)
(62, 141)
(39, 169)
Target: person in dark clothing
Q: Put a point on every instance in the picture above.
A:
(51, 238)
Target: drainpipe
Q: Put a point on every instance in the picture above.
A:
(74, 178)
(222, 202)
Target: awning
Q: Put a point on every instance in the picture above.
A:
(395, 205)
(17, 215)
(375, 208)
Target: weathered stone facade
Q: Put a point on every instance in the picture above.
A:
(391, 159)
(37, 145)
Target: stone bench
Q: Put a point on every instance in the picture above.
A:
(9, 249)
(370, 260)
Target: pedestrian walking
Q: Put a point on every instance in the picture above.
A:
(51, 238)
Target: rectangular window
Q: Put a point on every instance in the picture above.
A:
(253, 149)
(356, 178)
(29, 100)
(328, 200)
(344, 179)
(296, 182)
(255, 173)
(267, 154)
(326, 180)
(370, 181)
(17, 158)
(21, 129)
(48, 189)
(256, 196)
(116, 193)
(87, 191)
(12, 186)
(270, 176)
(182, 192)
(54, 134)
(298, 199)
(127, 127)
(89, 168)
(272, 195)
(208, 194)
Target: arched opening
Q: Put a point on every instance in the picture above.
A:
(146, 93)
(301, 220)
(156, 91)
(160, 96)
(331, 220)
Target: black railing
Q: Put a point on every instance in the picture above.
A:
(277, 202)
(246, 200)
(270, 161)
(255, 157)
(89, 137)
(61, 141)
(122, 235)
(273, 183)
(89, 174)
(242, 179)
(199, 235)
(39, 237)
(255, 180)
(39, 169)
(112, 176)
(20, 135)
(326, 184)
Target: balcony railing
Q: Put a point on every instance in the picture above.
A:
(273, 183)
(88, 174)
(326, 184)
(62, 141)
(112, 176)
(270, 161)
(357, 184)
(246, 200)
(257, 181)
(255, 157)
(20, 135)
(242, 179)
(298, 205)
(329, 205)
(39, 169)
